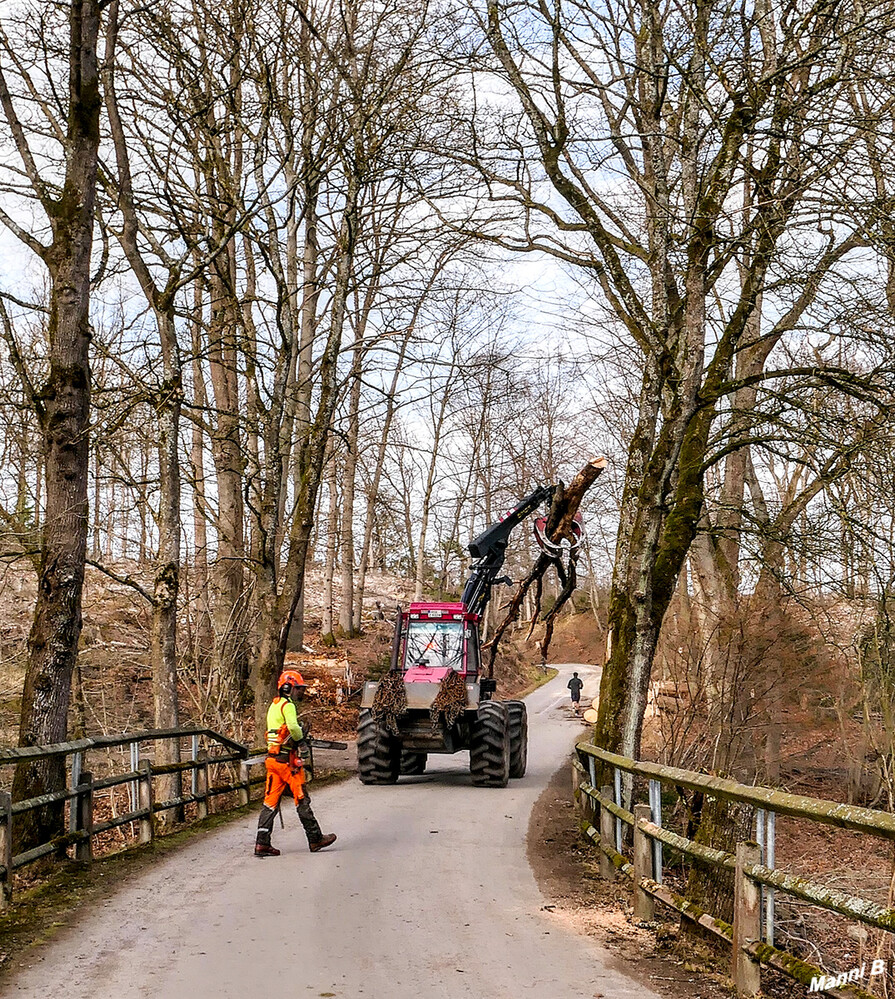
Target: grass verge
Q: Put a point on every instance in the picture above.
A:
(539, 682)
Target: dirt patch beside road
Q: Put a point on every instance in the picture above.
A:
(566, 872)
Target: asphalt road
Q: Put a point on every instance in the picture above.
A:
(427, 893)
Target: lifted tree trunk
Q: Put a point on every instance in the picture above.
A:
(560, 527)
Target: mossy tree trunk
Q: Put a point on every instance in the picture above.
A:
(62, 406)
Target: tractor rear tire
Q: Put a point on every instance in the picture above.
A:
(518, 716)
(413, 764)
(378, 754)
(489, 745)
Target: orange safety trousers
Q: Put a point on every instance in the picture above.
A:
(279, 777)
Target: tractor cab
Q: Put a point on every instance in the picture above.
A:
(435, 639)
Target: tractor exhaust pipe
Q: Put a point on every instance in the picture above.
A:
(396, 644)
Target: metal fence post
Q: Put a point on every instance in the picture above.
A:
(244, 788)
(83, 811)
(770, 860)
(746, 971)
(655, 805)
(592, 770)
(77, 760)
(607, 868)
(760, 828)
(6, 849)
(618, 800)
(132, 789)
(146, 801)
(644, 910)
(194, 773)
(200, 783)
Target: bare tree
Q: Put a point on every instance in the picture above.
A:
(62, 404)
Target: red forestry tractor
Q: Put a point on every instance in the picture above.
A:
(435, 698)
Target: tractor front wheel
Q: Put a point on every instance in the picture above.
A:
(489, 745)
(518, 720)
(378, 754)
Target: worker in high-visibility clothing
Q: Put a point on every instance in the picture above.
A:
(285, 768)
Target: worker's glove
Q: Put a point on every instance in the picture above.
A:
(305, 727)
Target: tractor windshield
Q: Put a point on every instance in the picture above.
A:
(434, 644)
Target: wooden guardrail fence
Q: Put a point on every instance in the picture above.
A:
(751, 937)
(217, 750)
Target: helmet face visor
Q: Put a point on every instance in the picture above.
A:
(291, 684)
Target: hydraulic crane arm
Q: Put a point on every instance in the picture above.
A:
(489, 549)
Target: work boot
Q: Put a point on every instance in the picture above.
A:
(323, 843)
(266, 850)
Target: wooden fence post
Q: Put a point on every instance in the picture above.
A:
(607, 868)
(146, 800)
(244, 788)
(201, 783)
(6, 849)
(746, 971)
(83, 807)
(644, 910)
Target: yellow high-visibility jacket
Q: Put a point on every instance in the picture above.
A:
(282, 725)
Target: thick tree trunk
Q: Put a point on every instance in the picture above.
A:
(53, 640)
(166, 584)
(349, 480)
(654, 538)
(332, 547)
(168, 403)
(228, 580)
(203, 643)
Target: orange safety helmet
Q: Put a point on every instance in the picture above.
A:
(291, 679)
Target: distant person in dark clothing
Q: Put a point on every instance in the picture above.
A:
(575, 685)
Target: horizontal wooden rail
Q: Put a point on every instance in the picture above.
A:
(745, 936)
(120, 820)
(707, 854)
(834, 813)
(15, 755)
(115, 781)
(860, 909)
(43, 799)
